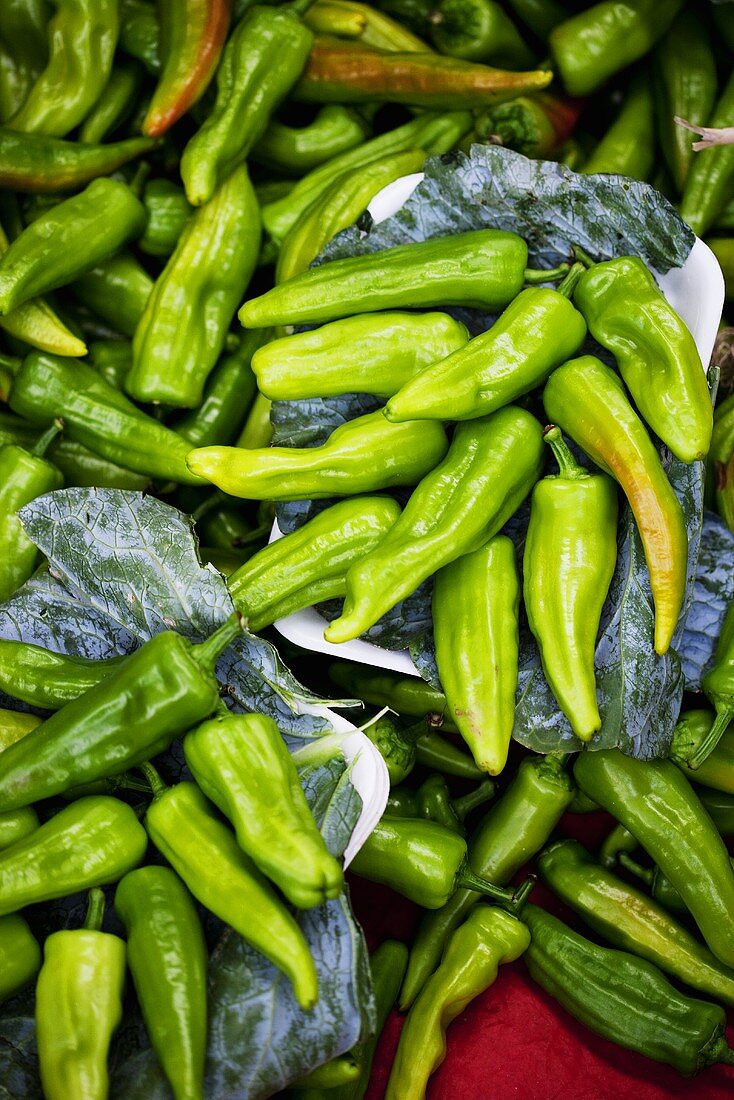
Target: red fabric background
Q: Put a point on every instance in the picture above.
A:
(514, 1042)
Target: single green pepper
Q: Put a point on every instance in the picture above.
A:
(408, 695)
(82, 35)
(79, 1006)
(204, 852)
(140, 33)
(112, 359)
(479, 30)
(485, 268)
(476, 601)
(25, 48)
(516, 827)
(115, 103)
(718, 684)
(168, 960)
(535, 125)
(186, 319)
(257, 431)
(260, 63)
(655, 352)
(228, 394)
(709, 181)
(628, 146)
(97, 415)
(15, 724)
(424, 861)
(434, 802)
(227, 529)
(359, 456)
(168, 211)
(242, 765)
(717, 768)
(617, 842)
(341, 1071)
(420, 744)
(593, 45)
(46, 679)
(351, 19)
(490, 468)
(41, 165)
(192, 37)
(375, 353)
(655, 802)
(17, 824)
(586, 399)
(91, 842)
(20, 955)
(24, 475)
(623, 998)
(569, 559)
(309, 565)
(68, 240)
(397, 747)
(537, 332)
(295, 150)
(116, 289)
(470, 963)
(161, 690)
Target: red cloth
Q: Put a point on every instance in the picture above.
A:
(514, 1042)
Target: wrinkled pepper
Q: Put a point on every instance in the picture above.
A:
(533, 125)
(228, 394)
(296, 150)
(433, 801)
(140, 33)
(351, 19)
(479, 30)
(717, 769)
(709, 181)
(40, 165)
(168, 211)
(660, 887)
(116, 289)
(46, 679)
(20, 955)
(23, 39)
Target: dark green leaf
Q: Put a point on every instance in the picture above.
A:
(713, 591)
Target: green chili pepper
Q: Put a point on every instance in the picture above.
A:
(476, 600)
(435, 133)
(397, 747)
(82, 36)
(434, 802)
(709, 181)
(483, 267)
(116, 289)
(35, 163)
(168, 211)
(533, 125)
(619, 841)
(717, 768)
(424, 861)
(623, 998)
(46, 679)
(490, 468)
(479, 30)
(720, 471)
(228, 394)
(375, 29)
(656, 803)
(168, 685)
(24, 475)
(628, 146)
(80, 466)
(24, 46)
(655, 352)
(79, 1006)
(407, 695)
(115, 103)
(112, 359)
(97, 415)
(261, 61)
(344, 20)
(375, 353)
(15, 724)
(184, 326)
(660, 887)
(593, 45)
(516, 827)
(720, 808)
(204, 852)
(718, 684)
(537, 332)
(586, 399)
(569, 559)
(295, 150)
(140, 33)
(227, 529)
(470, 963)
(414, 14)
(168, 960)
(359, 456)
(17, 824)
(339, 1072)
(257, 430)
(192, 35)
(541, 16)
(93, 841)
(20, 956)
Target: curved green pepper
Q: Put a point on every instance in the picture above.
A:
(408, 695)
(402, 748)
(618, 842)
(470, 963)
(17, 824)
(115, 103)
(351, 19)
(204, 852)
(24, 44)
(15, 724)
(46, 679)
(117, 290)
(718, 684)
(628, 146)
(112, 359)
(20, 955)
(168, 960)
(433, 801)
(364, 354)
(479, 30)
(717, 768)
(228, 394)
(708, 184)
(533, 125)
(490, 468)
(140, 33)
(296, 150)
(40, 165)
(168, 211)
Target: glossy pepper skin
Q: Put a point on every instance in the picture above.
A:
(117, 290)
(46, 679)
(533, 125)
(655, 351)
(708, 183)
(17, 824)
(184, 326)
(115, 103)
(260, 63)
(358, 457)
(476, 600)
(628, 146)
(586, 399)
(228, 394)
(162, 689)
(433, 801)
(718, 684)
(140, 33)
(375, 353)
(717, 769)
(419, 744)
(204, 852)
(20, 955)
(720, 808)
(242, 765)
(535, 334)
(351, 19)
(593, 45)
(479, 30)
(168, 211)
(296, 150)
(40, 165)
(192, 37)
(629, 919)
(623, 998)
(483, 268)
(82, 35)
(309, 565)
(168, 960)
(490, 467)
(569, 559)
(407, 695)
(79, 1007)
(15, 724)
(515, 828)
(98, 416)
(656, 803)
(69, 239)
(93, 841)
(470, 963)
(23, 35)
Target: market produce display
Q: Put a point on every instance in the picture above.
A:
(387, 321)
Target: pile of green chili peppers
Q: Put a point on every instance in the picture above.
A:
(168, 174)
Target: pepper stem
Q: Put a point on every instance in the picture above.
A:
(95, 910)
(619, 840)
(723, 717)
(208, 653)
(535, 275)
(44, 442)
(483, 793)
(582, 256)
(468, 880)
(568, 467)
(156, 784)
(643, 873)
(523, 892)
(567, 287)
